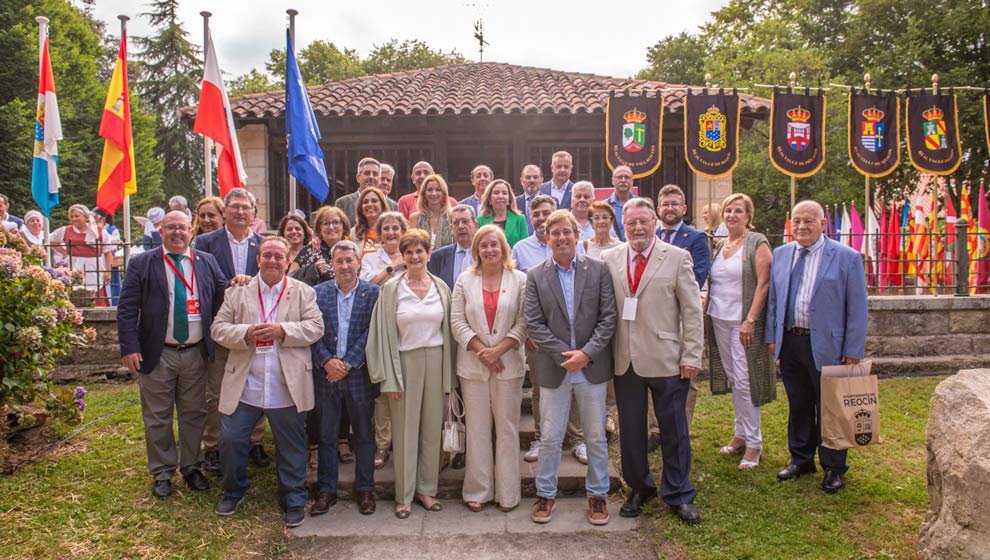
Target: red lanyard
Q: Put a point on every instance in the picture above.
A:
(266, 317)
(192, 278)
(634, 283)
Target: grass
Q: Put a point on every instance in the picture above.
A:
(751, 515)
(91, 498)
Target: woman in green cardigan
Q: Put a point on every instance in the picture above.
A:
(410, 353)
(735, 313)
(498, 206)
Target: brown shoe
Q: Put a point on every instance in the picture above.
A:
(324, 501)
(381, 457)
(543, 510)
(597, 511)
(365, 502)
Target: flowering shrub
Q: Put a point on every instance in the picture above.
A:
(38, 325)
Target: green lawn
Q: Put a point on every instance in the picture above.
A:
(751, 515)
(91, 498)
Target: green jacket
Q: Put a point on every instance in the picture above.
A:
(515, 226)
(384, 365)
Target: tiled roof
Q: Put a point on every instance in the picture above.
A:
(475, 88)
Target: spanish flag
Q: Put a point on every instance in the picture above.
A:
(117, 176)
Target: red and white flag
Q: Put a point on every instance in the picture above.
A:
(214, 120)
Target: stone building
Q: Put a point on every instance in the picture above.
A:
(456, 117)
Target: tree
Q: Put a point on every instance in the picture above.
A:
(252, 82)
(169, 80)
(409, 55)
(320, 62)
(676, 59)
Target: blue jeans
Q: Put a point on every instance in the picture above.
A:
(331, 399)
(291, 451)
(555, 405)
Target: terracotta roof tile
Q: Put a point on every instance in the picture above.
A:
(474, 88)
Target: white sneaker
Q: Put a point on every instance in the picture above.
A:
(581, 453)
(533, 454)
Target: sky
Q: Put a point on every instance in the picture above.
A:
(573, 36)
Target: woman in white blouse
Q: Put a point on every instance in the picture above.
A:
(487, 320)
(85, 247)
(381, 265)
(33, 229)
(409, 352)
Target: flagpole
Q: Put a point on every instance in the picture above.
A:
(793, 83)
(292, 35)
(127, 198)
(207, 141)
(42, 34)
(867, 80)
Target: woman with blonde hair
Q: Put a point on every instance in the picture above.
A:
(432, 213)
(735, 314)
(371, 204)
(498, 206)
(711, 214)
(208, 215)
(487, 320)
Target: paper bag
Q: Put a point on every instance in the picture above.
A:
(850, 407)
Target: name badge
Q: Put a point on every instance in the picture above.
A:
(264, 346)
(629, 309)
(192, 310)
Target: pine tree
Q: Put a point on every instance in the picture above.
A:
(169, 80)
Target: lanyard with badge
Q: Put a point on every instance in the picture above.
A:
(266, 346)
(192, 302)
(630, 303)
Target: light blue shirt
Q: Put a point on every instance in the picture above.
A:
(566, 277)
(462, 260)
(345, 302)
(473, 201)
(531, 252)
(617, 206)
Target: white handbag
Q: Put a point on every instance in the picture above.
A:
(454, 437)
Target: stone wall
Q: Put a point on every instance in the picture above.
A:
(907, 335)
(253, 141)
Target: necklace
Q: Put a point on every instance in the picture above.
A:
(729, 244)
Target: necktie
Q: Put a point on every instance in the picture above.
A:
(180, 319)
(797, 275)
(638, 270)
(668, 234)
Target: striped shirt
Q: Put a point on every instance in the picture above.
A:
(803, 299)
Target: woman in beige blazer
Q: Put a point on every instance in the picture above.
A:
(487, 320)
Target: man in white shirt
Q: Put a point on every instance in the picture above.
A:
(268, 326)
(481, 175)
(560, 185)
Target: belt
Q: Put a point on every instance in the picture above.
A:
(799, 331)
(181, 347)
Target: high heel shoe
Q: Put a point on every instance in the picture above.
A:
(732, 449)
(747, 465)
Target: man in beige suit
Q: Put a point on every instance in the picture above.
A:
(657, 350)
(268, 326)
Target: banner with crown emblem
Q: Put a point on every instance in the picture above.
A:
(933, 132)
(797, 132)
(874, 133)
(711, 133)
(633, 132)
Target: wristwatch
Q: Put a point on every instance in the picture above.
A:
(748, 320)
(389, 269)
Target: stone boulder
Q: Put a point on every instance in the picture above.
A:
(957, 524)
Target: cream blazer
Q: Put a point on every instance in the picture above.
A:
(467, 320)
(668, 331)
(303, 325)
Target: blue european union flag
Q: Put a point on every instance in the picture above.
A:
(305, 155)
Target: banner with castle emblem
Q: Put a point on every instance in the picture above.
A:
(633, 132)
(874, 133)
(797, 132)
(711, 133)
(933, 132)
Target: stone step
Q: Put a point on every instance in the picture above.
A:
(570, 481)
(928, 365)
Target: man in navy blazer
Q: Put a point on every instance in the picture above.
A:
(671, 209)
(340, 377)
(531, 180)
(816, 317)
(560, 185)
(235, 247)
(166, 308)
(449, 261)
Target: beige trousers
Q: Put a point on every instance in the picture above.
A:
(214, 379)
(489, 476)
(417, 420)
(383, 423)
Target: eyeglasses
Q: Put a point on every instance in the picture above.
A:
(670, 204)
(640, 222)
(240, 207)
(176, 227)
(334, 223)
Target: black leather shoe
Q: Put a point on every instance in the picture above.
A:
(653, 443)
(794, 471)
(323, 503)
(258, 456)
(688, 513)
(294, 517)
(162, 489)
(633, 505)
(833, 482)
(227, 506)
(457, 462)
(211, 462)
(196, 481)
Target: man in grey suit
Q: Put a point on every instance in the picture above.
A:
(570, 308)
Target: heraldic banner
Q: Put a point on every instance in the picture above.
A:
(633, 132)
(933, 132)
(797, 132)
(874, 133)
(711, 133)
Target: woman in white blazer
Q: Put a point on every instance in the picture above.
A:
(487, 320)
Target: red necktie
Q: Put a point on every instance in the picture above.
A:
(640, 261)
